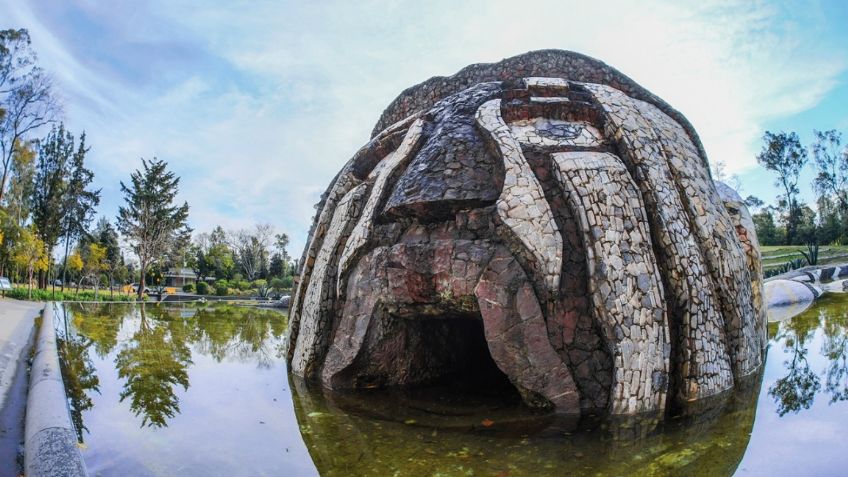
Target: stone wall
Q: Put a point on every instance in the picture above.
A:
(555, 204)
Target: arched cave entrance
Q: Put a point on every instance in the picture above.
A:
(427, 349)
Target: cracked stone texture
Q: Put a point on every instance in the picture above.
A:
(744, 223)
(544, 219)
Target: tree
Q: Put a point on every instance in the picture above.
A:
(767, 231)
(180, 254)
(26, 100)
(282, 242)
(200, 266)
(107, 237)
(150, 221)
(277, 268)
(251, 248)
(719, 173)
(831, 166)
(783, 154)
(9, 233)
(31, 255)
(78, 203)
(18, 199)
(17, 203)
(94, 265)
(753, 202)
(219, 260)
(218, 236)
(808, 230)
(831, 219)
(51, 183)
(831, 184)
(74, 262)
(278, 284)
(212, 255)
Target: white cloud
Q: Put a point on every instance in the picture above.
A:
(312, 78)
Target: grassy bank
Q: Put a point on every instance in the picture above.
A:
(21, 293)
(777, 255)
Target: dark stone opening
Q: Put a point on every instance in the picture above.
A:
(436, 350)
(469, 364)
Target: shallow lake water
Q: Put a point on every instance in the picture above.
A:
(185, 390)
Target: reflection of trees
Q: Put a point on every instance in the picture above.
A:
(834, 349)
(239, 332)
(153, 363)
(100, 323)
(155, 359)
(80, 377)
(796, 390)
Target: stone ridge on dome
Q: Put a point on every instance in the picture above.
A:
(542, 63)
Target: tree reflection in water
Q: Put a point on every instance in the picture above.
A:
(100, 323)
(834, 348)
(79, 374)
(797, 390)
(154, 360)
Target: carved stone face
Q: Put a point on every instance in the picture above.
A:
(545, 218)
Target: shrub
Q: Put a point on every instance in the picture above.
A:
(223, 282)
(20, 293)
(259, 283)
(221, 290)
(188, 287)
(278, 284)
(812, 254)
(241, 284)
(263, 291)
(202, 288)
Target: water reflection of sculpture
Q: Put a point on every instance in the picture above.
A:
(345, 438)
(155, 360)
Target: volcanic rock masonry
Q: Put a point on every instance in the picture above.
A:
(545, 217)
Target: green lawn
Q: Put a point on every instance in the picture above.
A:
(777, 255)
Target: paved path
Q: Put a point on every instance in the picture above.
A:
(16, 327)
(16, 322)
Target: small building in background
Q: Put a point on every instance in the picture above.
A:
(178, 277)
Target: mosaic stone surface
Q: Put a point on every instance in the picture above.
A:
(543, 217)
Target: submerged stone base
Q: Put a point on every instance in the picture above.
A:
(544, 219)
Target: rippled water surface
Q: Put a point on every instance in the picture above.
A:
(182, 390)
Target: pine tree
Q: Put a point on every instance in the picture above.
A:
(51, 184)
(79, 203)
(150, 221)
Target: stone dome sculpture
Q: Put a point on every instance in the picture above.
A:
(544, 218)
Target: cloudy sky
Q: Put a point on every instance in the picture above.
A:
(258, 104)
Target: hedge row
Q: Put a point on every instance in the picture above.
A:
(68, 295)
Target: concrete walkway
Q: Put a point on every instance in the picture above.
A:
(16, 329)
